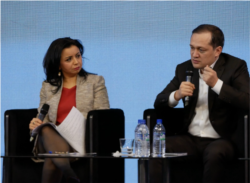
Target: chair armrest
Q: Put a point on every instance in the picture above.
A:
(103, 130)
(246, 136)
(16, 127)
(172, 119)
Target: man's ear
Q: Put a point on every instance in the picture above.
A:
(218, 51)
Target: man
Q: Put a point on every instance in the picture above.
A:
(219, 92)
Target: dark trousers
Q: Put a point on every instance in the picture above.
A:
(215, 154)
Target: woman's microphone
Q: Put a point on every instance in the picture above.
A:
(43, 112)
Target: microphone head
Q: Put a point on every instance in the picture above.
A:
(189, 73)
(44, 109)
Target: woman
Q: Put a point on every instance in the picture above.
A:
(67, 84)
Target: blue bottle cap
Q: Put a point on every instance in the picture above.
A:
(140, 121)
(143, 121)
(159, 121)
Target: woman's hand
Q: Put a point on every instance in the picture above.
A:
(35, 122)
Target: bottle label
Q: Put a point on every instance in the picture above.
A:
(142, 137)
(162, 136)
(147, 137)
(139, 137)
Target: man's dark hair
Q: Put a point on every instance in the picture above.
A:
(216, 34)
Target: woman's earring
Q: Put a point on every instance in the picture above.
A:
(59, 73)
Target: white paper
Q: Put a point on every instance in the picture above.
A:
(73, 130)
(117, 154)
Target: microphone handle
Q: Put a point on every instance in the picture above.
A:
(41, 116)
(188, 79)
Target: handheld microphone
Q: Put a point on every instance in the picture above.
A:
(189, 75)
(43, 112)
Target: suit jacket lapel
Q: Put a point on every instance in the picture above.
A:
(196, 84)
(190, 109)
(80, 92)
(219, 68)
(54, 102)
(194, 98)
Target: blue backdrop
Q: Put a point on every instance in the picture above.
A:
(134, 45)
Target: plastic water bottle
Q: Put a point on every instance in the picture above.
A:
(142, 141)
(137, 139)
(159, 139)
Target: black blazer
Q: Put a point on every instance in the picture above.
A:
(224, 108)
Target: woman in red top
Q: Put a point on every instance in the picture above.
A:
(67, 84)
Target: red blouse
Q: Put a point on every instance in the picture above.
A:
(67, 101)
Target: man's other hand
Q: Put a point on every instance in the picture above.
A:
(209, 76)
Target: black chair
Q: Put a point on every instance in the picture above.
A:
(103, 129)
(191, 170)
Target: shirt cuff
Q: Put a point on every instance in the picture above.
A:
(217, 86)
(171, 101)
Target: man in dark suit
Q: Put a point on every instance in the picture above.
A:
(218, 93)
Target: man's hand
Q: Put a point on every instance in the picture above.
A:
(186, 89)
(209, 76)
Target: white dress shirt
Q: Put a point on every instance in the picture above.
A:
(201, 125)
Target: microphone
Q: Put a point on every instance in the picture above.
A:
(189, 75)
(43, 112)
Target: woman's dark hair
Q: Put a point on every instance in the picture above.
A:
(51, 61)
(216, 34)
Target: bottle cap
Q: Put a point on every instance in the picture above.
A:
(159, 121)
(143, 121)
(140, 121)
